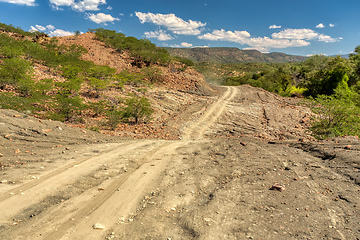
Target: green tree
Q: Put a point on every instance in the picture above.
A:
(355, 59)
(137, 108)
(326, 80)
(335, 117)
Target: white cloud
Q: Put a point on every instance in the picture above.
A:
(331, 25)
(60, 33)
(81, 6)
(109, 8)
(320, 25)
(50, 27)
(87, 5)
(160, 35)
(295, 34)
(186, 45)
(172, 23)
(283, 39)
(327, 39)
(263, 44)
(33, 29)
(303, 34)
(222, 35)
(40, 28)
(101, 18)
(21, 2)
(274, 26)
(51, 31)
(56, 4)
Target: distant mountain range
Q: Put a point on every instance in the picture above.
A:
(232, 55)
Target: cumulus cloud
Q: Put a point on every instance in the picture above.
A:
(295, 34)
(222, 35)
(263, 44)
(87, 5)
(320, 25)
(33, 29)
(50, 30)
(327, 39)
(50, 27)
(60, 33)
(81, 6)
(57, 4)
(283, 39)
(186, 45)
(39, 28)
(160, 35)
(274, 26)
(303, 34)
(102, 18)
(331, 25)
(260, 43)
(21, 2)
(172, 23)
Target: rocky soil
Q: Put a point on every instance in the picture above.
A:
(242, 167)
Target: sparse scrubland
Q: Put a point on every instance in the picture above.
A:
(165, 154)
(329, 85)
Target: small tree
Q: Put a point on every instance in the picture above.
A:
(153, 74)
(137, 108)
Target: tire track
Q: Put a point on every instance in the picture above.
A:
(23, 187)
(101, 200)
(196, 132)
(121, 195)
(33, 192)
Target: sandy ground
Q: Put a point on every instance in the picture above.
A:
(245, 168)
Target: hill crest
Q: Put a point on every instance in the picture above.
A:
(232, 55)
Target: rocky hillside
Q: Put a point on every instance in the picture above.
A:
(90, 97)
(232, 55)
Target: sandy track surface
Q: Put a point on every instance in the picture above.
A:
(221, 181)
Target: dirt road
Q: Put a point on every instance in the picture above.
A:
(244, 168)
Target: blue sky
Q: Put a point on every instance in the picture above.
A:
(294, 27)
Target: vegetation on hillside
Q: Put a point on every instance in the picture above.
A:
(64, 99)
(141, 49)
(331, 86)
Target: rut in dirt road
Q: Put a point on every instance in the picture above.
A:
(74, 213)
(197, 130)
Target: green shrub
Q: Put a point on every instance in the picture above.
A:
(14, 71)
(125, 76)
(137, 109)
(67, 107)
(14, 101)
(335, 117)
(152, 74)
(185, 61)
(114, 117)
